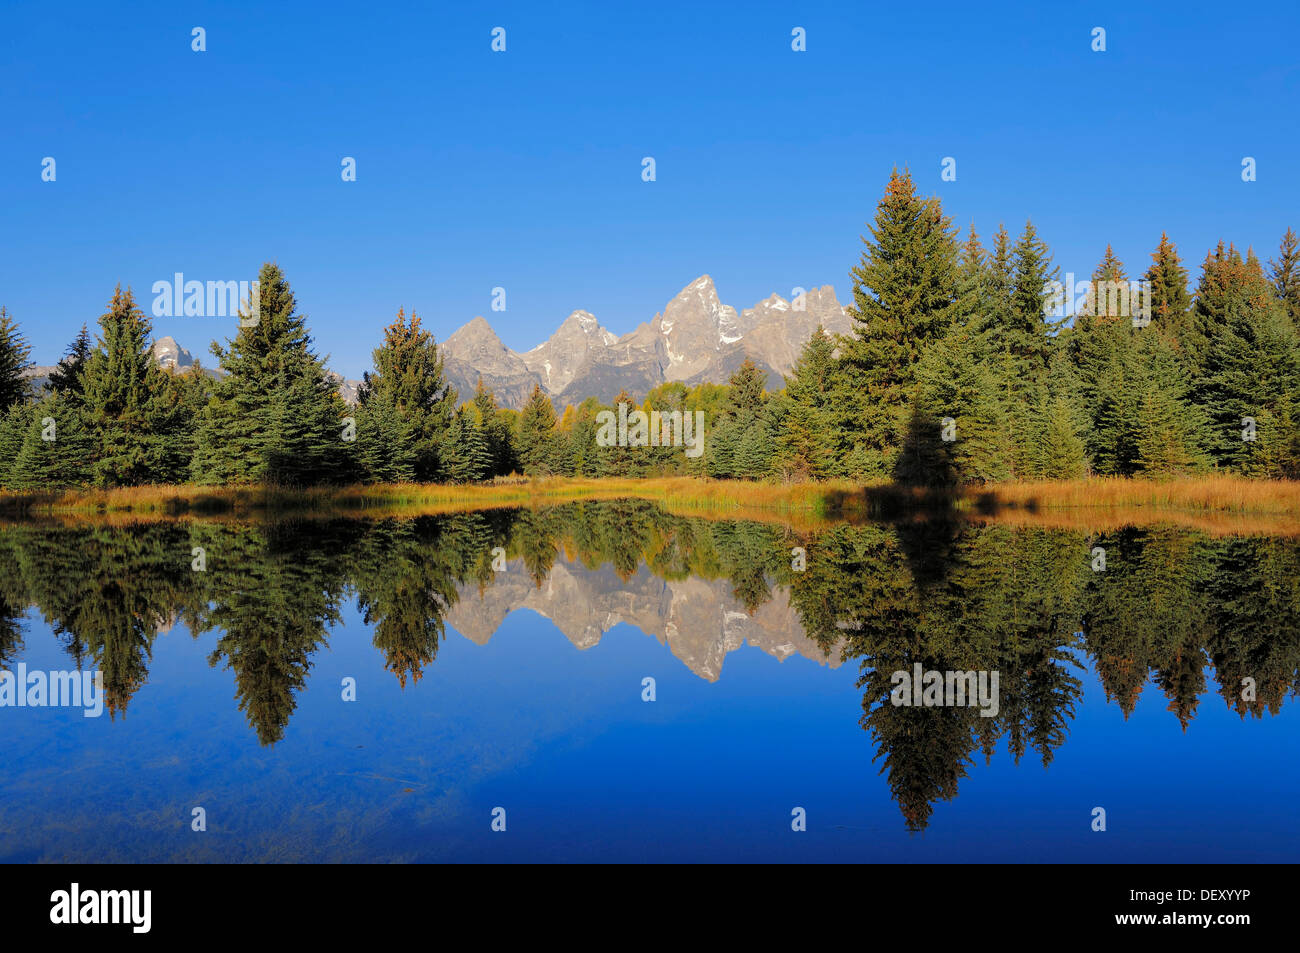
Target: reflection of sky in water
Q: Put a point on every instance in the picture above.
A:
(586, 770)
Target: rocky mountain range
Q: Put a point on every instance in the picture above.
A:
(699, 620)
(695, 339)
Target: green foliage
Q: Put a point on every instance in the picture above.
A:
(386, 447)
(276, 416)
(497, 431)
(1285, 275)
(804, 413)
(66, 376)
(409, 381)
(940, 332)
(1170, 299)
(14, 353)
(904, 298)
(468, 456)
(535, 437)
(1245, 354)
(58, 447)
(138, 426)
(955, 381)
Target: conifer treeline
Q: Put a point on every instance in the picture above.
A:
(954, 373)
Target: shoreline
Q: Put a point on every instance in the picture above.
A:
(1210, 502)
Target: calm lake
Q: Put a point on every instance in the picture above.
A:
(375, 690)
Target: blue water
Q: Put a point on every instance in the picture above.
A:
(586, 770)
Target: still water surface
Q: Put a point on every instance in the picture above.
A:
(500, 660)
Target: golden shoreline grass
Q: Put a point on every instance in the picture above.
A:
(1215, 503)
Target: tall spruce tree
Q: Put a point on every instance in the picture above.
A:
(958, 431)
(58, 449)
(904, 298)
(66, 376)
(739, 444)
(1029, 331)
(467, 458)
(806, 445)
(1284, 272)
(14, 353)
(1001, 272)
(1246, 356)
(1022, 340)
(1100, 347)
(409, 380)
(276, 416)
(1167, 278)
(975, 284)
(495, 430)
(536, 437)
(124, 400)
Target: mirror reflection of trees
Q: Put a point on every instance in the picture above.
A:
(950, 595)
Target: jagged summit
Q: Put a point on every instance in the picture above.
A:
(695, 338)
(171, 355)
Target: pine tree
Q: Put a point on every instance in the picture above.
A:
(582, 453)
(956, 383)
(1275, 451)
(1099, 347)
(14, 353)
(1022, 342)
(1165, 441)
(1285, 275)
(66, 377)
(746, 393)
(1167, 278)
(495, 430)
(135, 426)
(904, 298)
(617, 459)
(276, 415)
(468, 458)
(1118, 367)
(753, 453)
(1245, 353)
(536, 434)
(1063, 453)
(57, 450)
(1001, 273)
(805, 436)
(14, 424)
(738, 445)
(409, 377)
(975, 284)
(1027, 332)
(386, 444)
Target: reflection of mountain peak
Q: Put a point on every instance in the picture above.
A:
(698, 619)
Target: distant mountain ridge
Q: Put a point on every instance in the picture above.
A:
(695, 339)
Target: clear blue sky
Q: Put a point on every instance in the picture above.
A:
(523, 169)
